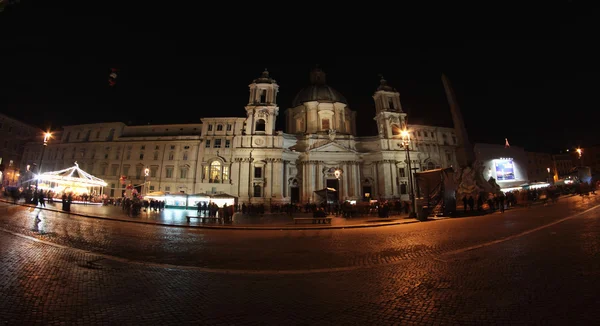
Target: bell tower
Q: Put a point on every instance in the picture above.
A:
(389, 115)
(262, 109)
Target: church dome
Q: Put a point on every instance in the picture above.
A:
(318, 91)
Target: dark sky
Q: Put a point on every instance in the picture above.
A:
(538, 91)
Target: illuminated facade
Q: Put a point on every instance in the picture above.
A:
(248, 158)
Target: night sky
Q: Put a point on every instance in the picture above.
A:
(539, 93)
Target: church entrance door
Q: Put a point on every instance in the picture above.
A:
(334, 183)
(295, 195)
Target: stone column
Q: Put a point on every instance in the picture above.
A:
(267, 177)
(396, 186)
(357, 180)
(347, 179)
(284, 181)
(250, 176)
(319, 184)
(272, 181)
(269, 125)
(238, 162)
(315, 177)
(376, 191)
(304, 167)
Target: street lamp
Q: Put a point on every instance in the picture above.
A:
(579, 151)
(47, 136)
(146, 182)
(405, 143)
(337, 173)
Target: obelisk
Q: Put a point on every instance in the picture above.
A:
(465, 153)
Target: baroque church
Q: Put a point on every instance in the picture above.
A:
(248, 158)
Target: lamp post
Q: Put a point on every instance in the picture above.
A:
(405, 143)
(47, 136)
(337, 173)
(146, 182)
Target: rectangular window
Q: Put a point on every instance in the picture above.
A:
(138, 172)
(229, 127)
(325, 124)
(169, 172)
(257, 172)
(402, 172)
(209, 127)
(217, 143)
(225, 173)
(113, 169)
(153, 170)
(227, 143)
(126, 170)
(183, 173)
(167, 188)
(207, 143)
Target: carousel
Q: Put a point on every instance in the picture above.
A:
(74, 181)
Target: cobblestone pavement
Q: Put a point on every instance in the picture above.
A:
(177, 217)
(527, 266)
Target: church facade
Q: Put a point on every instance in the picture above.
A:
(248, 158)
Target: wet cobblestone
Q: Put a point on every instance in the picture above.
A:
(282, 250)
(548, 277)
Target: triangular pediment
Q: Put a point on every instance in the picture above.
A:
(331, 146)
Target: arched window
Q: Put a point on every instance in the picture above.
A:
(395, 130)
(219, 127)
(260, 125)
(215, 172)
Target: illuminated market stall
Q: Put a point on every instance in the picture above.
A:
(190, 201)
(72, 180)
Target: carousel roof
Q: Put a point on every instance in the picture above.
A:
(73, 175)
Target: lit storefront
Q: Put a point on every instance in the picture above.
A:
(185, 201)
